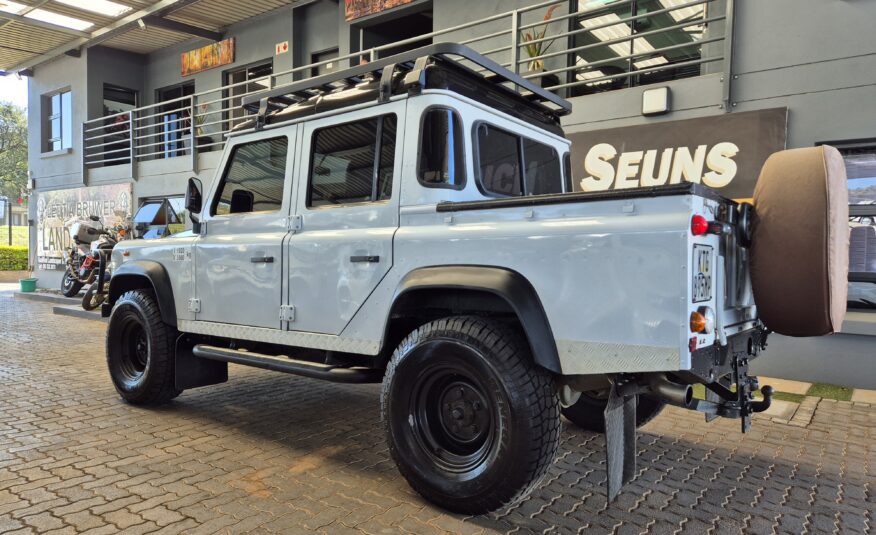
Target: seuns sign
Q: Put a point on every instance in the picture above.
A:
(723, 152)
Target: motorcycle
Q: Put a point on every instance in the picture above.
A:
(82, 233)
(98, 262)
(91, 241)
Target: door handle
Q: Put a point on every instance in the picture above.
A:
(365, 258)
(262, 260)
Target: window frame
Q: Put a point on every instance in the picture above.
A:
(476, 150)
(308, 197)
(48, 115)
(217, 195)
(442, 185)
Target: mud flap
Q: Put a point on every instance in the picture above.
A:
(191, 371)
(620, 441)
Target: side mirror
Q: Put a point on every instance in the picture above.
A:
(194, 202)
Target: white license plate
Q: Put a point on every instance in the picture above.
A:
(702, 273)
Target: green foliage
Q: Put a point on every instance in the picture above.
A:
(13, 151)
(826, 391)
(13, 258)
(19, 235)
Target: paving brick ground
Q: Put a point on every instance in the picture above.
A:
(272, 453)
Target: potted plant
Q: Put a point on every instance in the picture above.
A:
(204, 141)
(535, 46)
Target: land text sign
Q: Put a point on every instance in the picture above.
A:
(723, 152)
(57, 209)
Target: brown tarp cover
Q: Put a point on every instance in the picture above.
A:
(800, 242)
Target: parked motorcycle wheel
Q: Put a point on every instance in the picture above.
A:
(70, 286)
(92, 299)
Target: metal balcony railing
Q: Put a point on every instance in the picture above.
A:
(573, 48)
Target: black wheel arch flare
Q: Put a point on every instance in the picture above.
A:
(136, 274)
(507, 284)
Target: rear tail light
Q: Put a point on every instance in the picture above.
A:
(699, 225)
(702, 320)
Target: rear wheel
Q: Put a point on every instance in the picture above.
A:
(472, 423)
(140, 350)
(589, 411)
(70, 286)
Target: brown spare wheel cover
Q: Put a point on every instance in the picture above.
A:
(800, 242)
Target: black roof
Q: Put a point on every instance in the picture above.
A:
(441, 66)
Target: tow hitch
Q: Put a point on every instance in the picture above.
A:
(722, 399)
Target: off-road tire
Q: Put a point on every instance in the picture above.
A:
(588, 412)
(69, 285)
(140, 350)
(480, 375)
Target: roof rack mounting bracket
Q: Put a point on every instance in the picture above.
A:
(385, 90)
(415, 79)
(261, 118)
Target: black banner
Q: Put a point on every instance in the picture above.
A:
(724, 152)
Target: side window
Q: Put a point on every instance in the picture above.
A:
(352, 162)
(498, 161)
(441, 163)
(253, 179)
(511, 165)
(567, 170)
(542, 168)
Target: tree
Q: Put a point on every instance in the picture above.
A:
(13, 151)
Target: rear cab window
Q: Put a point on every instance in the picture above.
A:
(352, 162)
(509, 165)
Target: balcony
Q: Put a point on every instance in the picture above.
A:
(571, 48)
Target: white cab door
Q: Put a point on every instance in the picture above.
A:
(240, 258)
(348, 202)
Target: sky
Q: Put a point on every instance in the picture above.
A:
(13, 90)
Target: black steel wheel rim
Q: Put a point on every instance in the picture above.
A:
(134, 348)
(453, 419)
(67, 283)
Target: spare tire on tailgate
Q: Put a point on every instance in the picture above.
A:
(800, 242)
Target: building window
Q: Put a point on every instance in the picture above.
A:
(58, 121)
(254, 177)
(172, 122)
(609, 56)
(860, 160)
(245, 80)
(441, 163)
(325, 68)
(511, 165)
(352, 162)
(158, 217)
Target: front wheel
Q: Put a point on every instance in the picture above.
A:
(92, 299)
(472, 423)
(140, 350)
(70, 284)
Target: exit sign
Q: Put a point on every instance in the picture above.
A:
(281, 48)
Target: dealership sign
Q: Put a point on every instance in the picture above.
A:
(724, 152)
(56, 210)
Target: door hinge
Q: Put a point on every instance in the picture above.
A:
(194, 305)
(295, 222)
(287, 313)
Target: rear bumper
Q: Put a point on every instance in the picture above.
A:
(709, 363)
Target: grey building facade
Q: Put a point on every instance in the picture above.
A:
(135, 120)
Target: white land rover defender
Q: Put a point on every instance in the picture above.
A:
(411, 221)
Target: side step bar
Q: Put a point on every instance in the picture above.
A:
(314, 370)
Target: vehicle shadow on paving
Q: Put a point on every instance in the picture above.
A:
(332, 436)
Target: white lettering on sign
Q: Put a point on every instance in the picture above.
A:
(713, 166)
(281, 48)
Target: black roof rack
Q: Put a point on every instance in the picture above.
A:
(409, 68)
